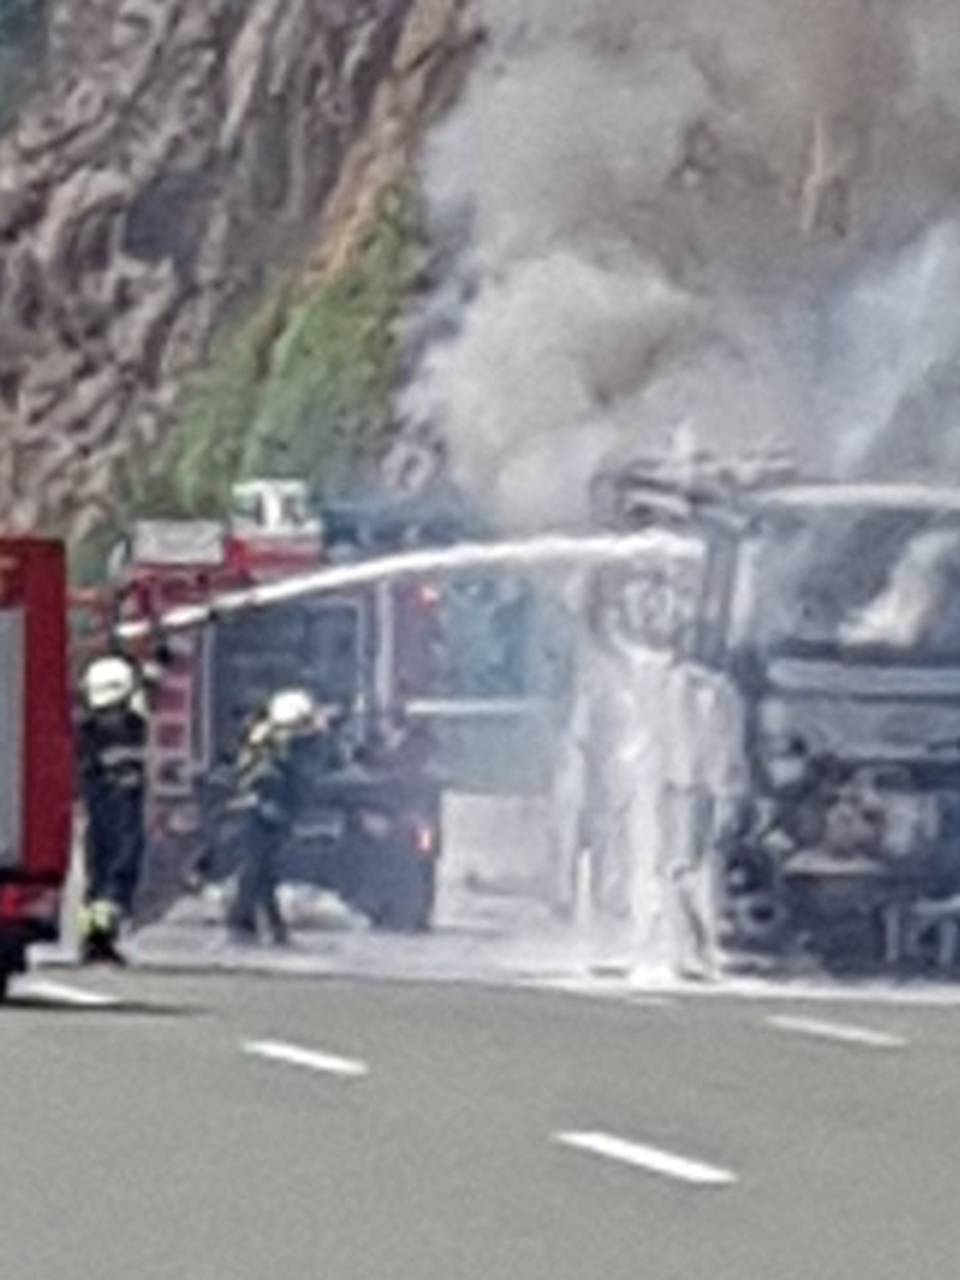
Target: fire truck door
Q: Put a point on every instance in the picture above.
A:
(11, 737)
(36, 751)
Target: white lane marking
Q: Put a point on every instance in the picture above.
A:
(651, 1159)
(294, 1055)
(842, 1031)
(60, 993)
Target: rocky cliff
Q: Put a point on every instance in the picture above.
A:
(178, 156)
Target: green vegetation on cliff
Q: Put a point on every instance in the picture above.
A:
(301, 387)
(298, 387)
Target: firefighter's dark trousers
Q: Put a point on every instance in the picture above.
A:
(257, 880)
(114, 846)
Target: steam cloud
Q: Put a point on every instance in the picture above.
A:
(675, 223)
(917, 588)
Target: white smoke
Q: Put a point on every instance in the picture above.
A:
(729, 223)
(913, 596)
(686, 225)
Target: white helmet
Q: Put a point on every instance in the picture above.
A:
(291, 709)
(108, 682)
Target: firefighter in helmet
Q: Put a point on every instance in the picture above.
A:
(112, 747)
(271, 769)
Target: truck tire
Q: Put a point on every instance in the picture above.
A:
(405, 900)
(428, 886)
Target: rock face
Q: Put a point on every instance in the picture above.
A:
(178, 154)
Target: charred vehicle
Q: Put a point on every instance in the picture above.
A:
(844, 631)
(835, 609)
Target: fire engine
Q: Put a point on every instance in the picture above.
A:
(373, 653)
(36, 780)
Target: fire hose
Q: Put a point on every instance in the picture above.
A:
(556, 550)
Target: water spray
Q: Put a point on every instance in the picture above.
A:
(561, 551)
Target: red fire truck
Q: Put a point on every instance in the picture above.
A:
(372, 651)
(36, 778)
(219, 676)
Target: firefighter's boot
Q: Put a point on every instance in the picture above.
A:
(99, 935)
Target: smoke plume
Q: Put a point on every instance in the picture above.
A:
(913, 596)
(672, 224)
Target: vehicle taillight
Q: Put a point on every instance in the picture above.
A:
(429, 595)
(19, 902)
(426, 840)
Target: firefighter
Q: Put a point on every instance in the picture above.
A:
(112, 744)
(271, 772)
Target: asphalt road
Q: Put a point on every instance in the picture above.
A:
(226, 1127)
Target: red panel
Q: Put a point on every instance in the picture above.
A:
(33, 575)
(171, 735)
(267, 558)
(174, 699)
(20, 902)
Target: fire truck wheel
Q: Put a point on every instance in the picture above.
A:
(406, 894)
(5, 975)
(428, 883)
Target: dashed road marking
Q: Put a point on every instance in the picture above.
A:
(61, 993)
(295, 1055)
(842, 1031)
(650, 1159)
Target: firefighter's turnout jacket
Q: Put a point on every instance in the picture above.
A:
(112, 746)
(274, 770)
(265, 776)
